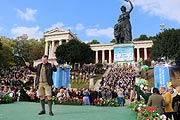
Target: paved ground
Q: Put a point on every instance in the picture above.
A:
(28, 111)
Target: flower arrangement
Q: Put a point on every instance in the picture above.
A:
(142, 83)
(144, 112)
(4, 99)
(150, 113)
(71, 101)
(138, 106)
(105, 102)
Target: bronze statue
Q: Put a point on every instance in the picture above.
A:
(122, 29)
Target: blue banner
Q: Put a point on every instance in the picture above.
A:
(161, 76)
(61, 77)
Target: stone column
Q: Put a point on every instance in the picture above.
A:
(96, 56)
(145, 53)
(46, 49)
(138, 55)
(110, 60)
(50, 48)
(52, 51)
(103, 58)
(60, 42)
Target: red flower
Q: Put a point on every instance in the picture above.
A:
(147, 118)
(95, 100)
(150, 109)
(136, 109)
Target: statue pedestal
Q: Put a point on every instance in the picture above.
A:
(123, 53)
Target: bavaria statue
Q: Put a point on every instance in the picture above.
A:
(122, 29)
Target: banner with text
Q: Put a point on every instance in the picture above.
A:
(61, 77)
(161, 76)
(123, 53)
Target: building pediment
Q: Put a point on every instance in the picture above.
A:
(56, 31)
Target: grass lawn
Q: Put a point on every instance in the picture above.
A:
(84, 84)
(29, 111)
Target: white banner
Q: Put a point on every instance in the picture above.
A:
(123, 53)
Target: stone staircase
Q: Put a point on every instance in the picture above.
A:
(97, 84)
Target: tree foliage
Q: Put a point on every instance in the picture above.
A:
(30, 49)
(167, 44)
(0, 45)
(93, 42)
(144, 37)
(74, 52)
(6, 57)
(113, 41)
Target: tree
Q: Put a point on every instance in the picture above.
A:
(0, 45)
(142, 37)
(113, 41)
(33, 49)
(93, 42)
(11, 49)
(22, 37)
(6, 57)
(167, 44)
(30, 50)
(74, 52)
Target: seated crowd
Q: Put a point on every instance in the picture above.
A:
(115, 84)
(12, 78)
(119, 78)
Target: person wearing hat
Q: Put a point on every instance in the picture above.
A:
(44, 81)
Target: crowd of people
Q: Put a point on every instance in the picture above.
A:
(166, 101)
(13, 78)
(82, 74)
(116, 83)
(119, 78)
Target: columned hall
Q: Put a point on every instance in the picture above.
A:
(103, 53)
(55, 38)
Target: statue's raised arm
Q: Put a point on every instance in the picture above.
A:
(130, 5)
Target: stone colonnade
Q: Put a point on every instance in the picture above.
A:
(51, 47)
(105, 52)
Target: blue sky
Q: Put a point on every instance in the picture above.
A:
(89, 19)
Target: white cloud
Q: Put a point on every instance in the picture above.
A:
(86, 41)
(167, 9)
(79, 26)
(28, 14)
(59, 25)
(32, 32)
(108, 32)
